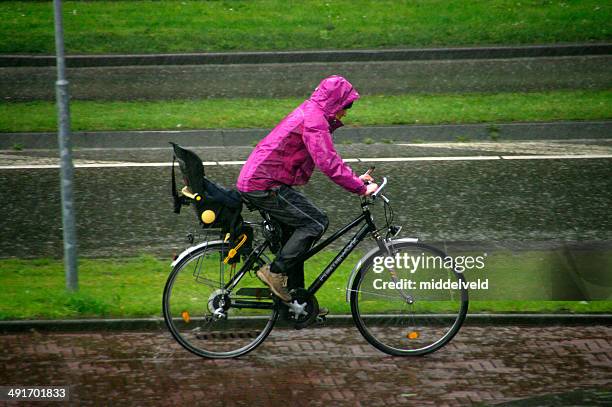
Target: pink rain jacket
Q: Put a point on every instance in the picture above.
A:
(302, 140)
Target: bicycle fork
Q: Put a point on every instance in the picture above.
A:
(384, 247)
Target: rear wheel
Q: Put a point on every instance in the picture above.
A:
(207, 318)
(405, 310)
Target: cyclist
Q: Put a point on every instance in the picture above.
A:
(286, 157)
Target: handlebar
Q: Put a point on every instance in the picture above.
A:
(380, 187)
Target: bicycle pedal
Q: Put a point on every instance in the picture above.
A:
(321, 319)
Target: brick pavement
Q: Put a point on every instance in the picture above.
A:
(313, 367)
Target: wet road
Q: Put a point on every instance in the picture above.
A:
(315, 367)
(128, 210)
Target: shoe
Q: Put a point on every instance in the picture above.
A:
(323, 311)
(277, 282)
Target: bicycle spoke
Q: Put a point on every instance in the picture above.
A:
(375, 294)
(423, 320)
(209, 320)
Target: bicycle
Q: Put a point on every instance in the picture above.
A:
(216, 309)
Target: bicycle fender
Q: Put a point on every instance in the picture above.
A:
(368, 256)
(191, 249)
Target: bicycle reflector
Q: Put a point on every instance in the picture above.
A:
(185, 316)
(208, 216)
(412, 335)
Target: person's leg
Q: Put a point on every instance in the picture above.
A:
(296, 274)
(295, 211)
(309, 224)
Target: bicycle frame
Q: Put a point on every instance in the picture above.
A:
(346, 250)
(368, 227)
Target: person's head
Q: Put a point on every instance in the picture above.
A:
(342, 112)
(335, 95)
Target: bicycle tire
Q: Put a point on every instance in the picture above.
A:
(238, 334)
(404, 338)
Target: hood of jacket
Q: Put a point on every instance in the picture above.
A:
(301, 141)
(332, 94)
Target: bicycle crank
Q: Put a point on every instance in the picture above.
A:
(303, 308)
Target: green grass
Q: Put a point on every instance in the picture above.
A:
(265, 113)
(188, 26)
(36, 288)
(133, 287)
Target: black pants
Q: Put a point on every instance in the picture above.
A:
(302, 224)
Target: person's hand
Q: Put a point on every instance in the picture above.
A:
(366, 178)
(370, 188)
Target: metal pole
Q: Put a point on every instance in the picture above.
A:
(65, 148)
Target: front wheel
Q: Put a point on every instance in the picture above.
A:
(408, 302)
(207, 314)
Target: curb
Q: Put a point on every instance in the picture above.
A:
(248, 137)
(223, 58)
(156, 324)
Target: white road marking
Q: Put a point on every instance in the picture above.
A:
(119, 165)
(460, 158)
(372, 159)
(554, 157)
(231, 162)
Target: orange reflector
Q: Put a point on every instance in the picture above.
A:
(185, 316)
(412, 335)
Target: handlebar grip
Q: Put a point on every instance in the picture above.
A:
(380, 188)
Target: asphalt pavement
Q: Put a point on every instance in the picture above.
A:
(524, 192)
(294, 73)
